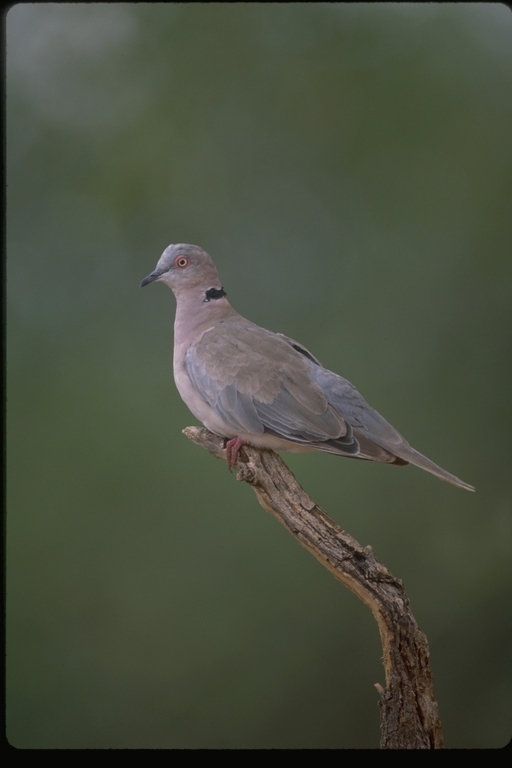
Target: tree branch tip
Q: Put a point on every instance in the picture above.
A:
(206, 439)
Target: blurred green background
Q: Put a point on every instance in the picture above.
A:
(348, 168)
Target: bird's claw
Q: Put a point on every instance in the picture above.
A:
(232, 448)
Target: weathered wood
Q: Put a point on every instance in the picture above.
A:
(409, 715)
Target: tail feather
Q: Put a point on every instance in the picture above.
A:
(398, 454)
(414, 457)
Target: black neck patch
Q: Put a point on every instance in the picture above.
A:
(214, 293)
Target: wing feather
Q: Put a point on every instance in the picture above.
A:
(256, 382)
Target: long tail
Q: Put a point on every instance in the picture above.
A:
(397, 454)
(410, 456)
(416, 458)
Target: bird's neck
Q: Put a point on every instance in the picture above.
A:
(198, 310)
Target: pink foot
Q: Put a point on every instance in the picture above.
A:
(232, 448)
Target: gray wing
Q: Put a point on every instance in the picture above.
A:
(370, 428)
(257, 382)
(349, 404)
(378, 440)
(367, 423)
(347, 401)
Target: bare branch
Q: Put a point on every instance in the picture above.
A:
(408, 708)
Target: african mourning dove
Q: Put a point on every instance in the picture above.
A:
(263, 389)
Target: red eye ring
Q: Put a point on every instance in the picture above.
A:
(180, 262)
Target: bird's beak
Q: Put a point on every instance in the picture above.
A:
(153, 276)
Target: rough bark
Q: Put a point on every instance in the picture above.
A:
(409, 717)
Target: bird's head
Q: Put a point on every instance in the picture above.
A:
(184, 267)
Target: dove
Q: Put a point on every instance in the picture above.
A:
(255, 387)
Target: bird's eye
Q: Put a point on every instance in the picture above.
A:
(181, 262)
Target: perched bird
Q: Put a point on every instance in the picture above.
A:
(263, 389)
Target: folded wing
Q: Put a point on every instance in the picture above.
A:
(257, 382)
